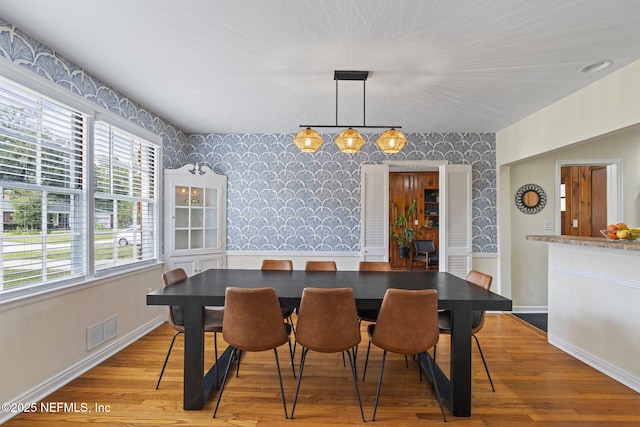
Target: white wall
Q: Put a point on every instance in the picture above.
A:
(593, 308)
(598, 120)
(44, 337)
(606, 106)
(529, 257)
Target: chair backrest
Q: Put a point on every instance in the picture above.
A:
(408, 321)
(328, 320)
(424, 246)
(176, 312)
(484, 281)
(321, 266)
(253, 319)
(277, 264)
(374, 266)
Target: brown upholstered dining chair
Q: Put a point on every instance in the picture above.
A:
(371, 315)
(281, 265)
(320, 266)
(212, 318)
(328, 323)
(374, 266)
(477, 321)
(407, 324)
(261, 331)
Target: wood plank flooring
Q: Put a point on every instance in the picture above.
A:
(536, 384)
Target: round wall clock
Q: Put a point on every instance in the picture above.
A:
(531, 199)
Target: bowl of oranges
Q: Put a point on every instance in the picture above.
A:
(621, 231)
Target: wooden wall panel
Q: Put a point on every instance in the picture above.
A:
(586, 200)
(404, 187)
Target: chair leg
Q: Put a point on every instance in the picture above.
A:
(295, 398)
(354, 352)
(239, 356)
(375, 405)
(484, 362)
(366, 361)
(224, 380)
(293, 328)
(352, 362)
(284, 404)
(215, 350)
(435, 386)
(293, 365)
(166, 359)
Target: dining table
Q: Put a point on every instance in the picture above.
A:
(207, 288)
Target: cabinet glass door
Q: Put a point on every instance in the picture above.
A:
(196, 218)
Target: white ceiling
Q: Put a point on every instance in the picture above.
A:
(262, 66)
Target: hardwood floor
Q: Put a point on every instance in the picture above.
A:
(536, 384)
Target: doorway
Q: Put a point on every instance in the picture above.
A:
(423, 188)
(583, 205)
(589, 196)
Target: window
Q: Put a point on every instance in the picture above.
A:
(46, 174)
(42, 184)
(125, 198)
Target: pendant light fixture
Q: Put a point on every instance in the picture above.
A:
(350, 141)
(392, 141)
(308, 140)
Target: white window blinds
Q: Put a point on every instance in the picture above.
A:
(42, 182)
(125, 177)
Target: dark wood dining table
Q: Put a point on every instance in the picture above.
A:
(208, 289)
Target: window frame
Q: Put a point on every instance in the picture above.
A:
(92, 112)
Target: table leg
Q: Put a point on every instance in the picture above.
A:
(460, 359)
(193, 355)
(456, 390)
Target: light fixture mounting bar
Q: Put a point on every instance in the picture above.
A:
(351, 126)
(350, 75)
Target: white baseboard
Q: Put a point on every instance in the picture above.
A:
(64, 377)
(596, 363)
(530, 309)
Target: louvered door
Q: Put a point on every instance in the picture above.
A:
(374, 222)
(455, 221)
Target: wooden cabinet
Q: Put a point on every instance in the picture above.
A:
(195, 219)
(404, 187)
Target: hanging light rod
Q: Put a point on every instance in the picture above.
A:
(350, 141)
(352, 76)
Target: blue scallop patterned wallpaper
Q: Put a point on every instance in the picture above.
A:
(278, 198)
(283, 200)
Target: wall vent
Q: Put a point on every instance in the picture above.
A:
(101, 332)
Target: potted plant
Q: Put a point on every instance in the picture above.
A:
(403, 232)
